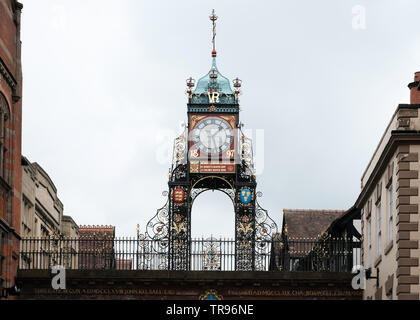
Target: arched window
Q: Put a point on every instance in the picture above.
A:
(4, 116)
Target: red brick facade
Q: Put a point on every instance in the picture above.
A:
(415, 89)
(94, 252)
(10, 139)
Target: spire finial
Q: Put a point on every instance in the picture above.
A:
(213, 18)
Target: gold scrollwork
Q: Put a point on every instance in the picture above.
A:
(178, 227)
(245, 228)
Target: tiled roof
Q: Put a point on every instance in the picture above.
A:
(308, 223)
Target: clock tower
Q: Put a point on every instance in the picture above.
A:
(212, 154)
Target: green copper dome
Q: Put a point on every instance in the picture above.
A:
(213, 80)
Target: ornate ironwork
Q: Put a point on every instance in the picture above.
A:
(179, 228)
(171, 224)
(157, 228)
(180, 150)
(320, 254)
(212, 254)
(266, 228)
(187, 180)
(246, 156)
(197, 191)
(151, 254)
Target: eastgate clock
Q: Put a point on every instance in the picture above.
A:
(212, 136)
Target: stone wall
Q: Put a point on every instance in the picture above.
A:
(188, 285)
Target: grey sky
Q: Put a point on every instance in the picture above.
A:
(104, 84)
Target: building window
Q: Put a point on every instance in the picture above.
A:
(1, 254)
(379, 229)
(36, 229)
(369, 226)
(4, 115)
(44, 232)
(378, 192)
(390, 213)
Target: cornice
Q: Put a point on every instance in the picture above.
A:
(210, 108)
(400, 106)
(398, 137)
(45, 175)
(45, 215)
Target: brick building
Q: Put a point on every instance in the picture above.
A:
(96, 247)
(10, 139)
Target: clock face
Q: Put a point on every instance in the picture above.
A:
(212, 135)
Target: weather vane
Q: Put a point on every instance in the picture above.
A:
(213, 18)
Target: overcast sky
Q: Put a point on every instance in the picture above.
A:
(104, 85)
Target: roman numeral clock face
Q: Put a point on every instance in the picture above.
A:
(212, 136)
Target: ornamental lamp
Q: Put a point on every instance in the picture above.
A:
(237, 84)
(190, 84)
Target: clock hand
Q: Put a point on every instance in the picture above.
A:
(219, 129)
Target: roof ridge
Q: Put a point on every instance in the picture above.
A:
(314, 210)
(96, 227)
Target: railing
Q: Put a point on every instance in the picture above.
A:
(320, 254)
(331, 255)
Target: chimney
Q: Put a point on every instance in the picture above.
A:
(415, 89)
